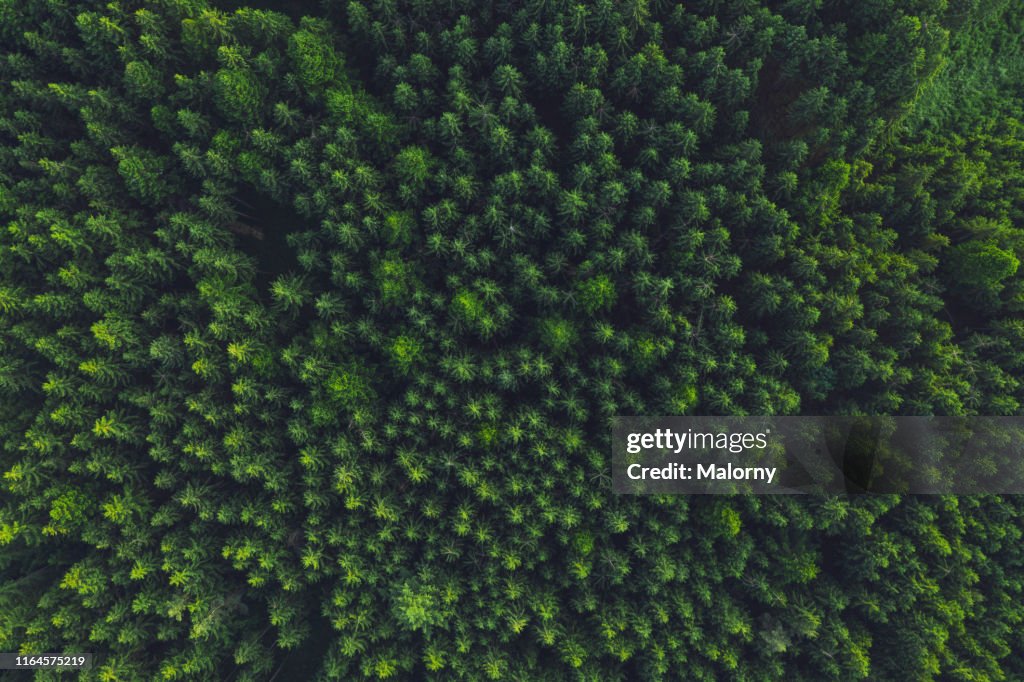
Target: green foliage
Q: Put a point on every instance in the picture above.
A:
(350, 388)
(406, 351)
(977, 265)
(238, 94)
(596, 293)
(559, 335)
(311, 331)
(315, 60)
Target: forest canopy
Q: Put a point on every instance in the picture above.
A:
(314, 316)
